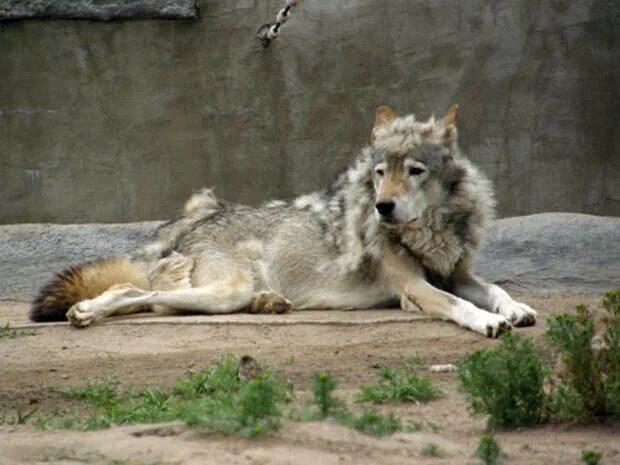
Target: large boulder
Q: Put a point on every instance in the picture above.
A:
(553, 251)
(550, 252)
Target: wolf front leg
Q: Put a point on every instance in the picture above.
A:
(407, 275)
(491, 297)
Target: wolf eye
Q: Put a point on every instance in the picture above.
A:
(379, 172)
(415, 171)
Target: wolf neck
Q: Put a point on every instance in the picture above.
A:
(449, 233)
(346, 212)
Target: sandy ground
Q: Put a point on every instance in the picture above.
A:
(157, 351)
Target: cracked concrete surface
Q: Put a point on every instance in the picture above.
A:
(123, 120)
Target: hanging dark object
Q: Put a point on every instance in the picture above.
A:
(268, 32)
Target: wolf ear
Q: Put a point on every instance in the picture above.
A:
(383, 116)
(449, 123)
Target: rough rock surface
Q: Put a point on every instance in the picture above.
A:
(553, 251)
(101, 10)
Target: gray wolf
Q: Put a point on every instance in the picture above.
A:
(400, 224)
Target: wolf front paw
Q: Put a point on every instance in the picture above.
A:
(518, 313)
(78, 317)
(497, 328)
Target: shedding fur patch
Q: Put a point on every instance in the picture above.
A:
(83, 282)
(171, 272)
(201, 204)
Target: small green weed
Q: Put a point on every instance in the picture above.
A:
(489, 451)
(590, 383)
(368, 421)
(322, 388)
(505, 383)
(6, 332)
(398, 385)
(590, 457)
(430, 450)
(96, 393)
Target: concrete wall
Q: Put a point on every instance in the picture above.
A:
(120, 121)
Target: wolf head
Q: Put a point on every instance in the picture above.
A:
(413, 164)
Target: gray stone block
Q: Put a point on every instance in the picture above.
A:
(550, 252)
(100, 10)
(553, 251)
(33, 253)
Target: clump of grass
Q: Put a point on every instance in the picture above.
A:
(7, 332)
(505, 383)
(213, 400)
(590, 457)
(369, 421)
(589, 386)
(97, 393)
(372, 422)
(489, 451)
(398, 385)
(430, 450)
(19, 418)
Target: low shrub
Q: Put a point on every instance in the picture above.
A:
(589, 384)
(505, 382)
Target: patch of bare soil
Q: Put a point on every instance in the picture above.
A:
(351, 345)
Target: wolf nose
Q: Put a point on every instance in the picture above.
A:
(385, 207)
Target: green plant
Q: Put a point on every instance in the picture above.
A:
(398, 385)
(96, 393)
(430, 450)
(322, 388)
(258, 407)
(489, 451)
(590, 457)
(212, 400)
(505, 382)
(369, 421)
(372, 422)
(6, 332)
(589, 386)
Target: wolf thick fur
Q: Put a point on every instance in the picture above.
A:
(401, 223)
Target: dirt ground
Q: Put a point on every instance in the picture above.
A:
(351, 345)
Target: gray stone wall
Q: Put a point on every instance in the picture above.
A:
(119, 121)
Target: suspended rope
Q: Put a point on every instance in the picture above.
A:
(268, 32)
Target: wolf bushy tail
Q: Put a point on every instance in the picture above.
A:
(83, 282)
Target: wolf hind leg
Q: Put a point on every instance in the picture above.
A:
(225, 296)
(269, 302)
